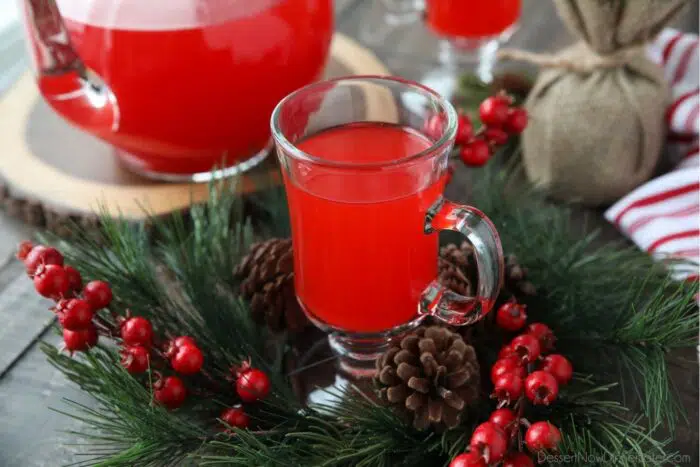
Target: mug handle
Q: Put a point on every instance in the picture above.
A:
(440, 301)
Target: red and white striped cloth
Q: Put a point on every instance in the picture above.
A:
(663, 216)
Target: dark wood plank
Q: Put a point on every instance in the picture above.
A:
(30, 433)
(24, 315)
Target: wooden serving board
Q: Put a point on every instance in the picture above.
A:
(51, 169)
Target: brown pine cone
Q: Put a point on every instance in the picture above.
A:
(457, 268)
(267, 280)
(516, 278)
(431, 376)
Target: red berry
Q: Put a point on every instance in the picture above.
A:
(542, 436)
(78, 341)
(137, 331)
(74, 314)
(465, 129)
(496, 136)
(489, 441)
(516, 121)
(493, 111)
(468, 459)
(504, 418)
(476, 153)
(51, 281)
(182, 341)
(170, 392)
(508, 388)
(541, 387)
(98, 294)
(434, 127)
(135, 358)
(252, 385)
(526, 347)
(75, 282)
(518, 459)
(511, 316)
(175, 344)
(23, 250)
(559, 367)
(41, 254)
(510, 364)
(506, 351)
(235, 417)
(187, 360)
(543, 334)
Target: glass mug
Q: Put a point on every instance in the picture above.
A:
(178, 87)
(470, 33)
(364, 180)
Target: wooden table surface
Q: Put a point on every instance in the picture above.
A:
(32, 435)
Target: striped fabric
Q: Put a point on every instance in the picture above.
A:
(663, 216)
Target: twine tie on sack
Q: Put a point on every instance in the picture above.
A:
(587, 60)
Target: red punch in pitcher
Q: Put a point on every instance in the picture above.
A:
(178, 87)
(364, 183)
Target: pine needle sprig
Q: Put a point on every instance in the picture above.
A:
(125, 426)
(600, 430)
(615, 312)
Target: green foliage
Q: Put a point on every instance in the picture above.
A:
(615, 312)
(124, 428)
(613, 309)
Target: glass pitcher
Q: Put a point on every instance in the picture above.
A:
(178, 87)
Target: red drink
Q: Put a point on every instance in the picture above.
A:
(471, 18)
(194, 81)
(362, 258)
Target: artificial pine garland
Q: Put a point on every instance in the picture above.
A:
(615, 313)
(169, 400)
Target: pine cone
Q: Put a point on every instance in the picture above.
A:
(457, 269)
(267, 275)
(431, 375)
(516, 278)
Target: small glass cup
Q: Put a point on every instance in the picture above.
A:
(364, 161)
(470, 33)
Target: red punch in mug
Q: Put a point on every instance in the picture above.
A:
(471, 19)
(364, 182)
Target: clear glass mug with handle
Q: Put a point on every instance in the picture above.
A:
(469, 31)
(364, 166)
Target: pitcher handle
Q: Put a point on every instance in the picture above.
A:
(440, 301)
(68, 85)
(51, 44)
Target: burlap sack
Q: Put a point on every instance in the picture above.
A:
(597, 107)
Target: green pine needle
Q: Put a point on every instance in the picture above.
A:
(616, 314)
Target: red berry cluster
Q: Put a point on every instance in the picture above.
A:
(77, 309)
(252, 385)
(75, 305)
(500, 120)
(525, 372)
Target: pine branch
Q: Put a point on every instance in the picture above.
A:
(602, 431)
(602, 301)
(134, 431)
(606, 303)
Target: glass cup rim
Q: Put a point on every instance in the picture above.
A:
(446, 138)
